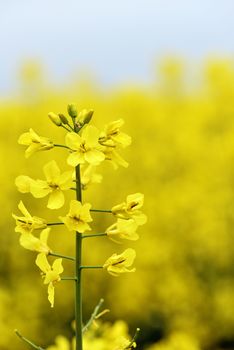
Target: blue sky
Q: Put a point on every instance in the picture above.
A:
(116, 40)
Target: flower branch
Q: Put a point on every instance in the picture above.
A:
(27, 341)
(62, 256)
(94, 315)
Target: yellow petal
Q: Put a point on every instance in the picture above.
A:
(135, 201)
(42, 263)
(118, 263)
(129, 254)
(57, 266)
(34, 136)
(23, 183)
(91, 135)
(31, 149)
(75, 225)
(68, 222)
(28, 241)
(44, 235)
(123, 139)
(140, 218)
(75, 207)
(115, 271)
(65, 180)
(73, 140)
(85, 212)
(51, 294)
(75, 158)
(23, 210)
(39, 189)
(82, 227)
(25, 139)
(114, 126)
(51, 171)
(56, 199)
(94, 156)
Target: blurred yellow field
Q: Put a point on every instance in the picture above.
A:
(182, 159)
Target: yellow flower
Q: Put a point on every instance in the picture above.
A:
(124, 344)
(112, 136)
(130, 209)
(118, 264)
(51, 274)
(27, 223)
(28, 241)
(54, 185)
(84, 148)
(78, 217)
(125, 229)
(114, 157)
(88, 176)
(61, 342)
(34, 142)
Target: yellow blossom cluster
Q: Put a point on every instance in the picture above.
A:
(86, 146)
(100, 336)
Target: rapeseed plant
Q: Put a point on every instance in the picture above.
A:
(86, 147)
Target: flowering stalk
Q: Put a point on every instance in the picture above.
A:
(78, 270)
(27, 340)
(86, 150)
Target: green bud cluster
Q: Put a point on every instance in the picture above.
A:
(81, 118)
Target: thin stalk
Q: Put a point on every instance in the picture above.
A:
(58, 145)
(78, 270)
(94, 315)
(132, 343)
(94, 235)
(62, 256)
(55, 223)
(70, 127)
(101, 210)
(63, 126)
(68, 278)
(27, 340)
(91, 267)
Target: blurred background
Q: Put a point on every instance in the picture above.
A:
(167, 68)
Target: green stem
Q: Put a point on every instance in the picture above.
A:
(70, 127)
(94, 315)
(92, 267)
(55, 223)
(78, 270)
(101, 210)
(62, 256)
(94, 235)
(58, 145)
(63, 126)
(68, 279)
(27, 340)
(131, 345)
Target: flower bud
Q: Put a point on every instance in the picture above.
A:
(85, 116)
(63, 118)
(72, 110)
(55, 118)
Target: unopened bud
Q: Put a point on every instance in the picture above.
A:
(55, 118)
(85, 116)
(63, 118)
(72, 110)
